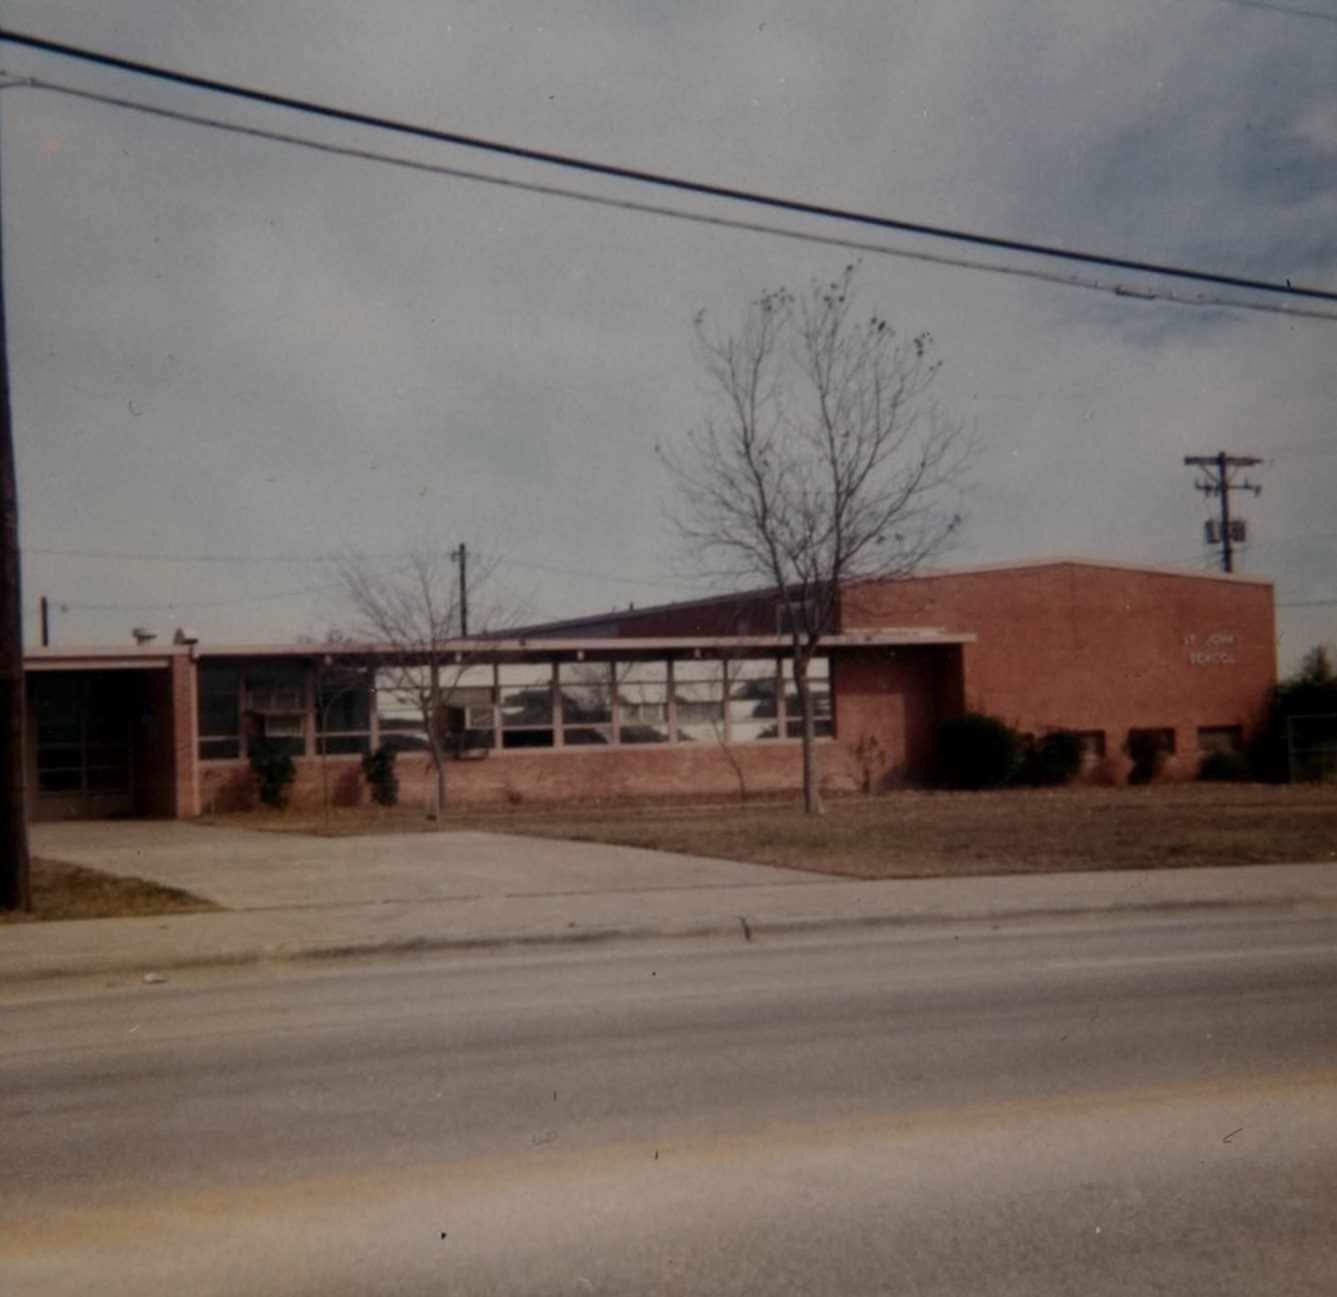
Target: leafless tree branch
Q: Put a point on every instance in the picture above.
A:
(412, 616)
(823, 459)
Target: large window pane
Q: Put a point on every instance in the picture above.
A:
(819, 684)
(586, 690)
(219, 703)
(399, 716)
(587, 693)
(642, 696)
(343, 703)
(470, 707)
(526, 704)
(526, 694)
(698, 700)
(275, 698)
(753, 700)
(276, 689)
(83, 733)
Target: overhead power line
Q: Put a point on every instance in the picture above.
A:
(1310, 539)
(218, 603)
(1063, 279)
(133, 556)
(557, 569)
(1290, 11)
(661, 180)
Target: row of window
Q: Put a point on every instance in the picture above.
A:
(511, 705)
(1212, 739)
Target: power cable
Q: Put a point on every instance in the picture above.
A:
(1294, 540)
(653, 209)
(638, 175)
(557, 569)
(140, 556)
(1290, 11)
(196, 558)
(221, 603)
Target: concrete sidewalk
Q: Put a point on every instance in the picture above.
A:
(246, 869)
(742, 909)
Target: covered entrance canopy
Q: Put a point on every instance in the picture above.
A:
(100, 736)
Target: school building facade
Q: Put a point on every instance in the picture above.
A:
(684, 699)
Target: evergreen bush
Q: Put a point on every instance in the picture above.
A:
(1053, 759)
(977, 751)
(1223, 767)
(1311, 691)
(378, 768)
(274, 772)
(1147, 751)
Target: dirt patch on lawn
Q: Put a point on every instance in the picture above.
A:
(61, 891)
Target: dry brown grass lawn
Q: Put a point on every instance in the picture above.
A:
(62, 891)
(916, 834)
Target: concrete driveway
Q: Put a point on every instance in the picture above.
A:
(243, 869)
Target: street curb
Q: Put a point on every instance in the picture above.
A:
(746, 929)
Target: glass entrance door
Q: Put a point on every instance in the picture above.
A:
(84, 725)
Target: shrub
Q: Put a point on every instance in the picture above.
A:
(274, 772)
(1054, 759)
(1223, 767)
(1311, 691)
(868, 763)
(976, 751)
(378, 768)
(1147, 751)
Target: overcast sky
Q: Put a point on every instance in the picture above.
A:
(231, 348)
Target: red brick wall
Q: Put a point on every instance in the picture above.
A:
(1066, 645)
(181, 723)
(889, 703)
(550, 776)
(1097, 648)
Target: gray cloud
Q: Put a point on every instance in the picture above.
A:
(226, 346)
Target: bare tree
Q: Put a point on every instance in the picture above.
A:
(824, 459)
(413, 613)
(337, 681)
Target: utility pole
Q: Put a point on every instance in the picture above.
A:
(1218, 480)
(15, 891)
(46, 622)
(461, 556)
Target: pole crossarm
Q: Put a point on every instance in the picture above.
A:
(1219, 480)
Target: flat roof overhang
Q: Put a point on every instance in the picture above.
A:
(99, 659)
(492, 649)
(583, 648)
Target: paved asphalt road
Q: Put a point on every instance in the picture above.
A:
(1150, 1108)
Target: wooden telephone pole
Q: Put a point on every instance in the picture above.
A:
(15, 893)
(1217, 479)
(461, 556)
